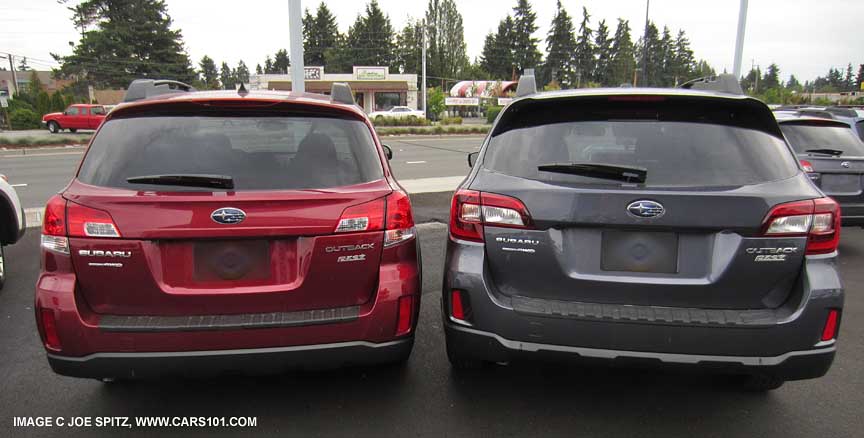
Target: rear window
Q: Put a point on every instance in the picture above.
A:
(257, 152)
(685, 145)
(803, 137)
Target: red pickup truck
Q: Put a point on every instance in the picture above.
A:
(78, 116)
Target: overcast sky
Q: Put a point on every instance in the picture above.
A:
(804, 37)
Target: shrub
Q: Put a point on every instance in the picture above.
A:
(400, 121)
(23, 118)
(451, 121)
(492, 113)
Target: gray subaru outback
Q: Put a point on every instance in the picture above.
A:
(643, 226)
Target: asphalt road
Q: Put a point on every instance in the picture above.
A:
(41, 173)
(426, 398)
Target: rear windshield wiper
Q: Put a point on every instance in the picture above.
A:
(598, 170)
(834, 152)
(187, 180)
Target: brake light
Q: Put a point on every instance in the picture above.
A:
(830, 330)
(89, 222)
(818, 219)
(807, 166)
(400, 221)
(470, 210)
(49, 329)
(368, 216)
(406, 315)
(54, 226)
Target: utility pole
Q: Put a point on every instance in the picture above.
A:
(13, 90)
(739, 40)
(645, 47)
(295, 30)
(423, 85)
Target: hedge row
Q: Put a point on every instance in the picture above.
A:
(401, 121)
(434, 130)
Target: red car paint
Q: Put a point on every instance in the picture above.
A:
(159, 231)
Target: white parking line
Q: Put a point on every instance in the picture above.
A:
(19, 185)
(414, 162)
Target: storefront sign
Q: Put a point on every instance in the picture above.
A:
(462, 101)
(371, 73)
(313, 73)
(504, 100)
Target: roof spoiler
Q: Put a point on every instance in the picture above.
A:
(724, 83)
(341, 92)
(527, 85)
(144, 88)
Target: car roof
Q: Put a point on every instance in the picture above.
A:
(254, 95)
(790, 117)
(599, 92)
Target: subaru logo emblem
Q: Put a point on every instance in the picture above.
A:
(845, 164)
(645, 209)
(228, 215)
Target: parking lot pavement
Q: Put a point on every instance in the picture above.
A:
(426, 398)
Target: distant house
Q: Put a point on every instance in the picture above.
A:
(23, 78)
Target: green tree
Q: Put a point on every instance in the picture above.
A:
(649, 54)
(603, 47)
(771, 78)
(320, 33)
(445, 36)
(666, 58)
(43, 103)
(370, 39)
(209, 73)
(124, 40)
(498, 51)
(57, 102)
(281, 62)
(860, 78)
(259, 70)
(560, 46)
(524, 44)
(683, 63)
(268, 65)
(849, 80)
(34, 85)
(793, 84)
(623, 62)
(22, 66)
(241, 73)
(226, 76)
(584, 54)
(409, 46)
(436, 106)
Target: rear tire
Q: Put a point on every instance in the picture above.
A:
(762, 382)
(53, 127)
(2, 267)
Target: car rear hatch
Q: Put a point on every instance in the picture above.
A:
(227, 211)
(833, 155)
(690, 235)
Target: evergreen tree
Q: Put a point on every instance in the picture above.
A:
(445, 36)
(524, 45)
(370, 39)
(320, 32)
(771, 78)
(281, 62)
(259, 70)
(684, 64)
(623, 59)
(649, 54)
(226, 76)
(498, 54)
(860, 78)
(57, 102)
(560, 46)
(409, 46)
(603, 48)
(34, 85)
(241, 74)
(849, 80)
(209, 75)
(340, 58)
(268, 65)
(584, 51)
(22, 66)
(124, 40)
(703, 69)
(792, 84)
(666, 58)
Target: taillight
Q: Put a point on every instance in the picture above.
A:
(54, 226)
(471, 210)
(368, 216)
(49, 329)
(807, 166)
(818, 219)
(90, 222)
(406, 315)
(829, 332)
(400, 221)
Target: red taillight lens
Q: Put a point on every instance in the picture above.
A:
(54, 220)
(400, 221)
(818, 219)
(471, 210)
(457, 306)
(90, 222)
(49, 329)
(807, 166)
(406, 315)
(830, 330)
(368, 216)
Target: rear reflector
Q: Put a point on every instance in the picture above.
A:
(818, 219)
(406, 314)
(471, 210)
(457, 306)
(830, 330)
(90, 222)
(49, 329)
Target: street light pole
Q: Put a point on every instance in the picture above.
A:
(739, 40)
(295, 30)
(423, 85)
(645, 47)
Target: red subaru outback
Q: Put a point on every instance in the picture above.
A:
(210, 232)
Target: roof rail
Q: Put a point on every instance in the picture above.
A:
(527, 85)
(839, 111)
(144, 88)
(724, 83)
(341, 92)
(822, 114)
